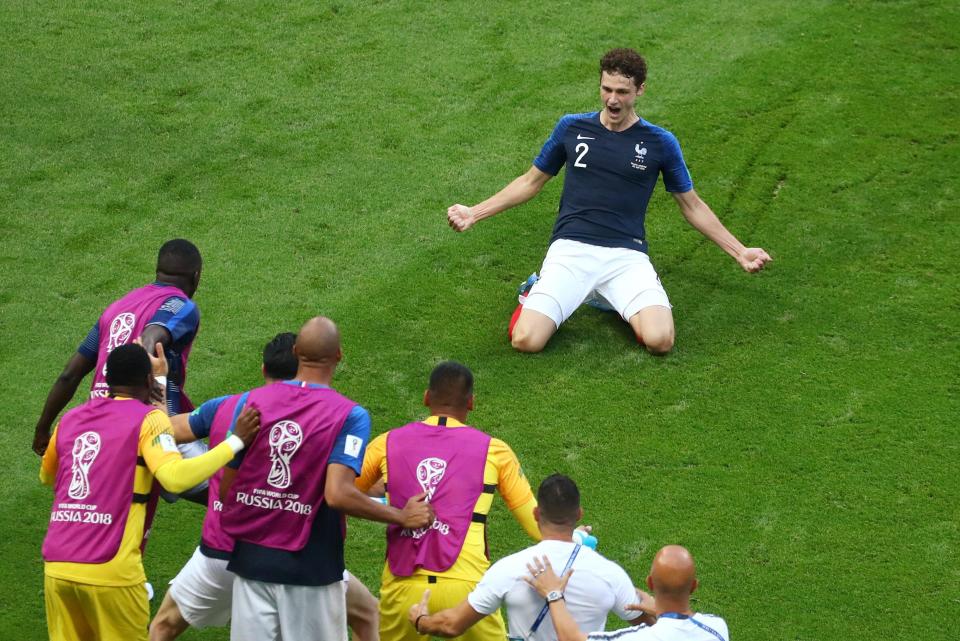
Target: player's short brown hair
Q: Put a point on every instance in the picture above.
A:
(625, 62)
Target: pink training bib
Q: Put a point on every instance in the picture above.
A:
(448, 464)
(97, 446)
(279, 486)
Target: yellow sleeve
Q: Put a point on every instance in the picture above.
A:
(514, 487)
(159, 450)
(373, 463)
(50, 460)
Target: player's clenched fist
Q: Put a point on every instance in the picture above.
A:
(460, 217)
(753, 259)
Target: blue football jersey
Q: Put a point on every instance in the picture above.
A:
(610, 178)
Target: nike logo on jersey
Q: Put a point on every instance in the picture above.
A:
(579, 137)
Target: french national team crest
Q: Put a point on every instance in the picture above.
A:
(429, 474)
(286, 437)
(640, 159)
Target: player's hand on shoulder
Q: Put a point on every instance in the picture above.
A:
(248, 425)
(753, 259)
(460, 217)
(417, 512)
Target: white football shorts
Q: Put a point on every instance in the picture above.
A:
(203, 590)
(263, 610)
(573, 270)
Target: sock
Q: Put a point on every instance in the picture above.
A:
(513, 320)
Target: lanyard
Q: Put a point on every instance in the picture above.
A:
(546, 606)
(702, 626)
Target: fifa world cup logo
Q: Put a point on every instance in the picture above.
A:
(429, 473)
(85, 450)
(121, 329)
(285, 439)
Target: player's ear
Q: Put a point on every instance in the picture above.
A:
(470, 403)
(693, 586)
(426, 398)
(650, 585)
(641, 88)
(536, 514)
(579, 514)
(339, 354)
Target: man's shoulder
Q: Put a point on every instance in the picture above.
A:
(577, 119)
(650, 130)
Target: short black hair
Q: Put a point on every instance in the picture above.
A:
(179, 257)
(625, 62)
(128, 365)
(279, 362)
(451, 383)
(559, 500)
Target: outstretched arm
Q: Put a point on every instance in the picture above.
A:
(522, 189)
(60, 394)
(702, 218)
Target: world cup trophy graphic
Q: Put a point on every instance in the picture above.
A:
(285, 439)
(121, 329)
(429, 473)
(85, 450)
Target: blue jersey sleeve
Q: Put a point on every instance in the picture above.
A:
(553, 154)
(201, 419)
(676, 177)
(351, 444)
(90, 347)
(180, 317)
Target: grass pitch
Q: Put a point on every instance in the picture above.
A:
(801, 440)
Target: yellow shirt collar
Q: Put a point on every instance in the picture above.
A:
(435, 420)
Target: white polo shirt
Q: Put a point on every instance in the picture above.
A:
(699, 627)
(598, 586)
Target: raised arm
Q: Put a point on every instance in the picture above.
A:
(702, 218)
(522, 189)
(60, 394)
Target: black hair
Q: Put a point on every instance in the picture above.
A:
(451, 383)
(279, 363)
(179, 257)
(128, 365)
(559, 500)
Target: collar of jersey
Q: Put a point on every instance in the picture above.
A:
(304, 384)
(435, 420)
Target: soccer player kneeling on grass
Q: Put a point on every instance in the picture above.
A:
(101, 460)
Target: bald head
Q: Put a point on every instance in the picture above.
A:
(318, 343)
(673, 574)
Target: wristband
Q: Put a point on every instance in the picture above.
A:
(235, 443)
(416, 623)
(161, 380)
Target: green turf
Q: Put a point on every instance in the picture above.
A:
(801, 440)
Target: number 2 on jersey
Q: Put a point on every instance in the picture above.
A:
(582, 148)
